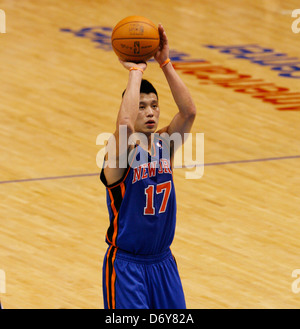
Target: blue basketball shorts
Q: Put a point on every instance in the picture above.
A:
(141, 282)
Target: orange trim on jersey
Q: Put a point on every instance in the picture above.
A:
(161, 139)
(107, 277)
(111, 187)
(122, 190)
(111, 277)
(116, 213)
(115, 221)
(113, 280)
(114, 237)
(172, 154)
(108, 238)
(112, 203)
(154, 148)
(122, 181)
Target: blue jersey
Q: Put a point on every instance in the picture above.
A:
(142, 204)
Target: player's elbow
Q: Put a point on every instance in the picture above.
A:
(191, 113)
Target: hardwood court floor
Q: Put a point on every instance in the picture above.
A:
(237, 239)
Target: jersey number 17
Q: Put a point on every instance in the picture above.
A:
(160, 188)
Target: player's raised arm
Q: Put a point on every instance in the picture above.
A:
(130, 103)
(183, 120)
(126, 117)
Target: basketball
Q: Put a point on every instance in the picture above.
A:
(135, 39)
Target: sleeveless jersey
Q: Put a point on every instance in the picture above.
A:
(142, 204)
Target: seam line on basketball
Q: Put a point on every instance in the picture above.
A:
(130, 23)
(135, 55)
(135, 38)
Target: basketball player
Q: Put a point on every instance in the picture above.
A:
(139, 270)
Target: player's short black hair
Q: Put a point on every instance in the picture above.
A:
(146, 88)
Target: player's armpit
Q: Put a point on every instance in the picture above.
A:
(116, 159)
(179, 126)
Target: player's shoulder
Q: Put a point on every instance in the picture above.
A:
(164, 140)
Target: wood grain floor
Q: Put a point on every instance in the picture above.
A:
(237, 239)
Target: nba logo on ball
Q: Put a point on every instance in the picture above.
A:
(135, 39)
(2, 21)
(136, 49)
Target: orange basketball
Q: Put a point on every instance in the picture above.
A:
(135, 39)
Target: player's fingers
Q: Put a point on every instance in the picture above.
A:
(160, 31)
(162, 39)
(164, 35)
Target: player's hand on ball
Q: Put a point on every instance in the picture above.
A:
(163, 50)
(129, 65)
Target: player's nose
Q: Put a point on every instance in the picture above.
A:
(149, 112)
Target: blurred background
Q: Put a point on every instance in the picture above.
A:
(237, 238)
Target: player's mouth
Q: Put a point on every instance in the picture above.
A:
(150, 123)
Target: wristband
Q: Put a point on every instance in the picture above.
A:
(136, 68)
(165, 63)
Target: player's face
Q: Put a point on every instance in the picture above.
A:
(147, 119)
